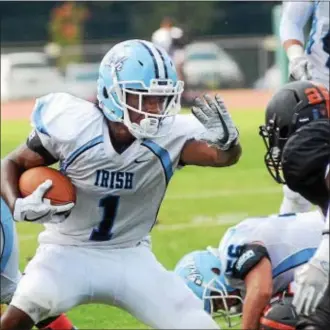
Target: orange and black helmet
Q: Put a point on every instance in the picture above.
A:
(279, 315)
(293, 106)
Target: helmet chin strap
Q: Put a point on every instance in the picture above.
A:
(150, 125)
(146, 127)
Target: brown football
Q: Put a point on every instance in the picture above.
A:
(61, 192)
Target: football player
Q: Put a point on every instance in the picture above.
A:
(310, 61)
(10, 273)
(120, 155)
(254, 262)
(297, 137)
(294, 105)
(305, 161)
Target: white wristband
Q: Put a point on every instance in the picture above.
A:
(17, 210)
(322, 253)
(295, 51)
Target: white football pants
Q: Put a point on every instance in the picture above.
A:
(61, 277)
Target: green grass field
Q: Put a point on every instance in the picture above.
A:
(199, 205)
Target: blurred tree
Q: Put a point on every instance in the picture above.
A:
(67, 29)
(118, 20)
(193, 17)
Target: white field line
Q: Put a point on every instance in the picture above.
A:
(201, 220)
(205, 221)
(196, 222)
(26, 237)
(224, 192)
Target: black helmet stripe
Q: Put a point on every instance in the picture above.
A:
(157, 58)
(165, 67)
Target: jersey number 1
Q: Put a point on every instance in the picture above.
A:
(109, 206)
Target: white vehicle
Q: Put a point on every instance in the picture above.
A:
(208, 65)
(28, 75)
(81, 80)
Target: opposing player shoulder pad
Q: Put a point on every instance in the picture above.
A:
(250, 256)
(62, 116)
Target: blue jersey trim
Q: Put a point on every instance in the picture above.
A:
(163, 156)
(37, 118)
(75, 154)
(311, 40)
(7, 228)
(293, 261)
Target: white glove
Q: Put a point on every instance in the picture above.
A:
(311, 282)
(37, 209)
(300, 68)
(220, 128)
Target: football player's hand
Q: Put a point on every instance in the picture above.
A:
(37, 209)
(311, 282)
(220, 128)
(300, 69)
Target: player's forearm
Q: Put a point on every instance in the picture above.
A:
(228, 157)
(19, 160)
(254, 304)
(294, 17)
(10, 173)
(201, 154)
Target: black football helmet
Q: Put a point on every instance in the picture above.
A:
(305, 158)
(294, 105)
(280, 314)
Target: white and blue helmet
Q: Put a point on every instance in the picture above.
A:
(202, 273)
(138, 67)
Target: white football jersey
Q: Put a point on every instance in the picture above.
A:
(318, 46)
(290, 240)
(118, 195)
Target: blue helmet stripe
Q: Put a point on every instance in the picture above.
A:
(165, 67)
(153, 58)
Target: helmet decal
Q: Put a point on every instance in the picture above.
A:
(140, 69)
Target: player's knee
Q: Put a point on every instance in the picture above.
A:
(14, 319)
(36, 300)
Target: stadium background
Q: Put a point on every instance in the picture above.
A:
(200, 203)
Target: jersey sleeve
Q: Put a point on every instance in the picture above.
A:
(62, 122)
(43, 130)
(249, 257)
(294, 17)
(241, 249)
(186, 127)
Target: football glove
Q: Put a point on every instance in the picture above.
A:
(35, 208)
(220, 128)
(300, 69)
(311, 281)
